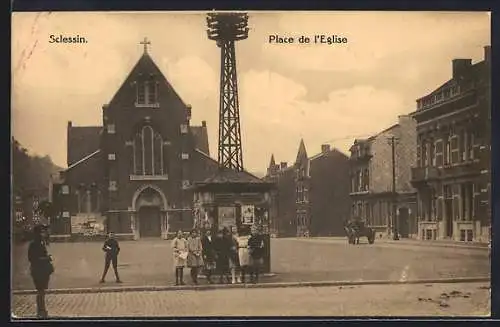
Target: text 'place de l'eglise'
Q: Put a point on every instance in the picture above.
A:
(426, 177)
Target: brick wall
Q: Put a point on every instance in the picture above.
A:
(381, 163)
(406, 153)
(329, 195)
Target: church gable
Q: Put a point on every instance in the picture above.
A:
(146, 87)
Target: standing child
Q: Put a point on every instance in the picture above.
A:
(195, 258)
(234, 260)
(243, 256)
(180, 253)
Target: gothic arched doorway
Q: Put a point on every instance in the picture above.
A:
(149, 204)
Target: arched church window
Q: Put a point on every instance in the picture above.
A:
(148, 155)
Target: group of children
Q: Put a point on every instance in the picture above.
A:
(228, 255)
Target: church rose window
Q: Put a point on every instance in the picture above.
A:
(148, 153)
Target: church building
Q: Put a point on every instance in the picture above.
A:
(132, 175)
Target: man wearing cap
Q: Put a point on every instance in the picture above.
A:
(112, 249)
(41, 267)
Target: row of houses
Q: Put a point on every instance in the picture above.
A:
(427, 177)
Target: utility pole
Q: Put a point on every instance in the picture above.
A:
(392, 141)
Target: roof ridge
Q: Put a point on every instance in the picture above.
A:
(83, 159)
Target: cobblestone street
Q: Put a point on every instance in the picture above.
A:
(465, 299)
(149, 262)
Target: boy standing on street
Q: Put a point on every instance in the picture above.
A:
(111, 249)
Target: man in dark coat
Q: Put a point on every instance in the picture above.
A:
(41, 267)
(111, 249)
(208, 252)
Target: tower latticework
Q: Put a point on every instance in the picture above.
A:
(226, 29)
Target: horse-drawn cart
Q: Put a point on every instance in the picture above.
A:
(357, 229)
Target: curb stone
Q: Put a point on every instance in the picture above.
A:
(263, 285)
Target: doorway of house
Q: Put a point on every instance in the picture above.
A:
(403, 222)
(449, 217)
(149, 221)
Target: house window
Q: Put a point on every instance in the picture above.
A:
(111, 129)
(432, 154)
(465, 146)
(65, 189)
(185, 156)
(300, 194)
(148, 154)
(185, 184)
(439, 208)
(419, 156)
(447, 157)
(454, 149)
(112, 186)
(425, 162)
(95, 200)
(305, 195)
(78, 201)
(87, 202)
(353, 183)
(111, 156)
(438, 145)
(473, 147)
(184, 129)
(366, 181)
(147, 93)
(367, 213)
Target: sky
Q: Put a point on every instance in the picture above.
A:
(325, 94)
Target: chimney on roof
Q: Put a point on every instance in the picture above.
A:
(283, 165)
(204, 123)
(325, 148)
(460, 66)
(487, 53)
(70, 124)
(188, 110)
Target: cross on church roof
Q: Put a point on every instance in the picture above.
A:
(145, 42)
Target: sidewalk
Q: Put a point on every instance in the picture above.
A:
(263, 284)
(409, 241)
(461, 299)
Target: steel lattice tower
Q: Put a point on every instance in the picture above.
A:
(226, 28)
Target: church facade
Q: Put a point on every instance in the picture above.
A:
(132, 175)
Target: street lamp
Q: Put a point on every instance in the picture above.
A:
(392, 142)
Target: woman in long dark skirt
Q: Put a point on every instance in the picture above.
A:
(222, 247)
(209, 255)
(256, 251)
(41, 268)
